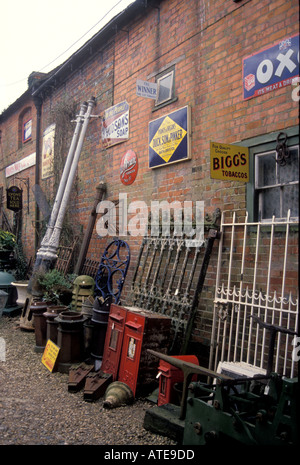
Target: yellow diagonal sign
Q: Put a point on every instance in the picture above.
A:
(167, 138)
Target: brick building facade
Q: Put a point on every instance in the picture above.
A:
(201, 52)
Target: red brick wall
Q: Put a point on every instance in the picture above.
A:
(207, 42)
(13, 150)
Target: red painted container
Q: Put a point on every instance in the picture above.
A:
(143, 330)
(114, 340)
(169, 375)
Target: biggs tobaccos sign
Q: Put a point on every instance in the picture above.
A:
(229, 162)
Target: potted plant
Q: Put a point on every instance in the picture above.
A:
(56, 288)
(7, 244)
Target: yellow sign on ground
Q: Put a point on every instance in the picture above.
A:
(229, 162)
(50, 355)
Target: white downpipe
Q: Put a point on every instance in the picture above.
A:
(53, 244)
(63, 181)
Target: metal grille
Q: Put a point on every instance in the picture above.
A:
(168, 280)
(257, 277)
(64, 257)
(90, 267)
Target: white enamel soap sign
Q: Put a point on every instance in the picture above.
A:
(115, 126)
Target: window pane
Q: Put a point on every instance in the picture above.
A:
(266, 170)
(270, 203)
(165, 88)
(291, 200)
(290, 171)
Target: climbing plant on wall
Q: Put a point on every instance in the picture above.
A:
(63, 114)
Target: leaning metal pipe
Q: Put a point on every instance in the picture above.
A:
(100, 191)
(63, 181)
(50, 254)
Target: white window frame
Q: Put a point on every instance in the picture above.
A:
(261, 189)
(171, 89)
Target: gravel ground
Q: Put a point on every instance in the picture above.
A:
(37, 409)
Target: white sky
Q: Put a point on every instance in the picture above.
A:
(38, 35)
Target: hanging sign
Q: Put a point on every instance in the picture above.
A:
(50, 355)
(146, 89)
(115, 125)
(271, 68)
(48, 151)
(14, 198)
(229, 162)
(169, 138)
(128, 167)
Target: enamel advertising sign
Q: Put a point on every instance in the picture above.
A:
(128, 167)
(48, 152)
(115, 126)
(272, 68)
(50, 355)
(169, 138)
(229, 162)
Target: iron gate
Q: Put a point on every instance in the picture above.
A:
(257, 278)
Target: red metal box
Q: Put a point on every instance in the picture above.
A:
(113, 340)
(169, 375)
(143, 330)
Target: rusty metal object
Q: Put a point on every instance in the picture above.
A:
(64, 257)
(77, 376)
(96, 384)
(282, 150)
(100, 191)
(169, 279)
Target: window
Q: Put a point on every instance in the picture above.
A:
(274, 183)
(27, 130)
(165, 87)
(24, 127)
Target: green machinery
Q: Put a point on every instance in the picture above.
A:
(259, 410)
(250, 411)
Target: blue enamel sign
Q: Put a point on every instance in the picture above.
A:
(271, 68)
(169, 138)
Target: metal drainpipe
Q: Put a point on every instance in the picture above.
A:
(50, 255)
(38, 106)
(62, 184)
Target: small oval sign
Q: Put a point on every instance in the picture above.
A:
(128, 167)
